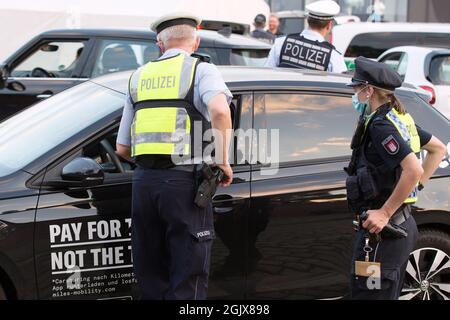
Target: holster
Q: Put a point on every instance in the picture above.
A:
(207, 178)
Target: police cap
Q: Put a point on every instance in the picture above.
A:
(374, 73)
(323, 10)
(174, 19)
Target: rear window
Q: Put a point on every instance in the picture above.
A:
(440, 70)
(372, 45)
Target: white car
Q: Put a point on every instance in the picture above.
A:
(427, 68)
(372, 39)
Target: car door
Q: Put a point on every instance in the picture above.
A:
(230, 205)
(82, 242)
(82, 235)
(47, 68)
(300, 229)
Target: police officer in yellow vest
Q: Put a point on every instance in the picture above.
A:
(172, 102)
(385, 176)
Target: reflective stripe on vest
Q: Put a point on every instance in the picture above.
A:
(162, 130)
(405, 125)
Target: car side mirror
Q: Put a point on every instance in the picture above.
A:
(12, 85)
(4, 74)
(82, 172)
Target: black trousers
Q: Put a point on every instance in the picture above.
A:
(171, 236)
(393, 254)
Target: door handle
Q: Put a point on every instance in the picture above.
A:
(222, 210)
(44, 96)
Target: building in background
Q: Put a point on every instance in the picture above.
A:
(394, 10)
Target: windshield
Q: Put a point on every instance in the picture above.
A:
(249, 57)
(38, 129)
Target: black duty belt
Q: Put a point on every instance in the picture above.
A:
(398, 218)
(401, 215)
(185, 168)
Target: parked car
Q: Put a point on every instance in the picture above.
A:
(65, 196)
(372, 39)
(427, 68)
(57, 60)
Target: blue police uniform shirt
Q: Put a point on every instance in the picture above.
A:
(387, 146)
(261, 34)
(208, 83)
(337, 63)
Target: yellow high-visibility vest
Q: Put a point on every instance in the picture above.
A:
(406, 126)
(162, 96)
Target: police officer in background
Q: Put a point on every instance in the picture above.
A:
(385, 176)
(168, 99)
(259, 32)
(310, 50)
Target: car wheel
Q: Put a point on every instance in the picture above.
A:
(428, 272)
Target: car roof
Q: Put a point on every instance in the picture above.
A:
(362, 27)
(424, 50)
(290, 14)
(343, 34)
(251, 78)
(416, 52)
(207, 36)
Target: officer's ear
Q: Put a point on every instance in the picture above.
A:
(330, 26)
(197, 43)
(161, 46)
(370, 91)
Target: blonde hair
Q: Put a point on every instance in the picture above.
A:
(389, 97)
(177, 33)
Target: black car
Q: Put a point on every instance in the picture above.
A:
(56, 60)
(286, 233)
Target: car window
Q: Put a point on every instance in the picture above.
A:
(212, 53)
(51, 59)
(248, 57)
(38, 129)
(98, 151)
(291, 25)
(122, 55)
(403, 66)
(397, 61)
(440, 70)
(310, 126)
(393, 60)
(372, 45)
(441, 40)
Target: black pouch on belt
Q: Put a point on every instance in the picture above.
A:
(367, 184)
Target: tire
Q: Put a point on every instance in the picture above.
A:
(428, 273)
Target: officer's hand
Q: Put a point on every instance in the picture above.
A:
(227, 175)
(376, 221)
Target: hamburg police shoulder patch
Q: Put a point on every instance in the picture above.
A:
(391, 145)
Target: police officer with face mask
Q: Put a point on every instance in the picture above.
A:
(309, 49)
(385, 176)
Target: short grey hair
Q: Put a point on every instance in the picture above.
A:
(178, 33)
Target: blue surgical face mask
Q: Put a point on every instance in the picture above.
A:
(360, 107)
